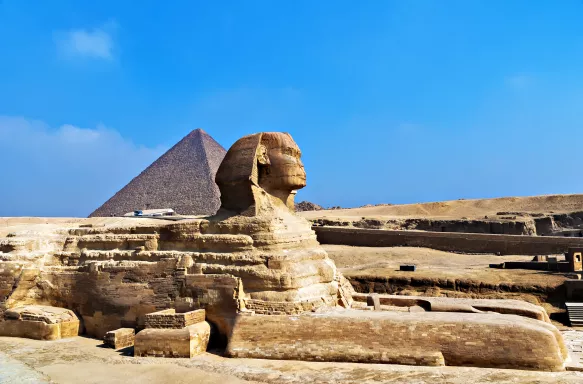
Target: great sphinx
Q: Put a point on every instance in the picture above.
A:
(267, 286)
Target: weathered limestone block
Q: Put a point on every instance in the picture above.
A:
(200, 242)
(168, 318)
(24, 244)
(39, 322)
(186, 342)
(115, 241)
(465, 339)
(120, 338)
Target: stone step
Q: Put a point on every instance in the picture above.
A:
(575, 312)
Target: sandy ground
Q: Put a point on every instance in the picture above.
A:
(385, 261)
(82, 360)
(460, 208)
(373, 269)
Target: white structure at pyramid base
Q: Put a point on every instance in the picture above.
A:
(151, 213)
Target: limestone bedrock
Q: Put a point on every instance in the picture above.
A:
(254, 262)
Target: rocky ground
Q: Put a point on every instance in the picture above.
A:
(432, 264)
(307, 206)
(83, 360)
(447, 274)
(552, 215)
(475, 208)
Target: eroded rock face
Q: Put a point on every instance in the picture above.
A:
(304, 206)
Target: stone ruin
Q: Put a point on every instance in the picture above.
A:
(256, 268)
(171, 334)
(39, 322)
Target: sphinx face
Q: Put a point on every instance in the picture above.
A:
(285, 170)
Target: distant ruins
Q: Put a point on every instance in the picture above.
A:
(263, 281)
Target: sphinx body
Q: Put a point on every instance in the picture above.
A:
(255, 255)
(257, 268)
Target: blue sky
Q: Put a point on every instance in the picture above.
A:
(390, 101)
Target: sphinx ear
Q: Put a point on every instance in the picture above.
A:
(262, 157)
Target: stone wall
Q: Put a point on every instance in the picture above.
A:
(115, 295)
(501, 223)
(107, 297)
(281, 308)
(506, 226)
(168, 318)
(456, 287)
(449, 241)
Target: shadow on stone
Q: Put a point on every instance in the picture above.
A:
(127, 351)
(560, 317)
(217, 341)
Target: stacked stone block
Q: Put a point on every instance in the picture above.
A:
(282, 308)
(169, 319)
(120, 338)
(171, 334)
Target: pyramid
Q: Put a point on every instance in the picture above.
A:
(182, 179)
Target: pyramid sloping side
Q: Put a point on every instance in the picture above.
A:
(182, 179)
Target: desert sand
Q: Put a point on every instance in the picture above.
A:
(81, 360)
(477, 208)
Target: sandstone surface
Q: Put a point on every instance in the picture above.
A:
(39, 322)
(120, 338)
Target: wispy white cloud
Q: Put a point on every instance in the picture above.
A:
(97, 43)
(75, 135)
(64, 171)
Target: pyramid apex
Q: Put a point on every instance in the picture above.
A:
(195, 131)
(181, 179)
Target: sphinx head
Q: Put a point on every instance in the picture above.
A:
(261, 170)
(280, 167)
